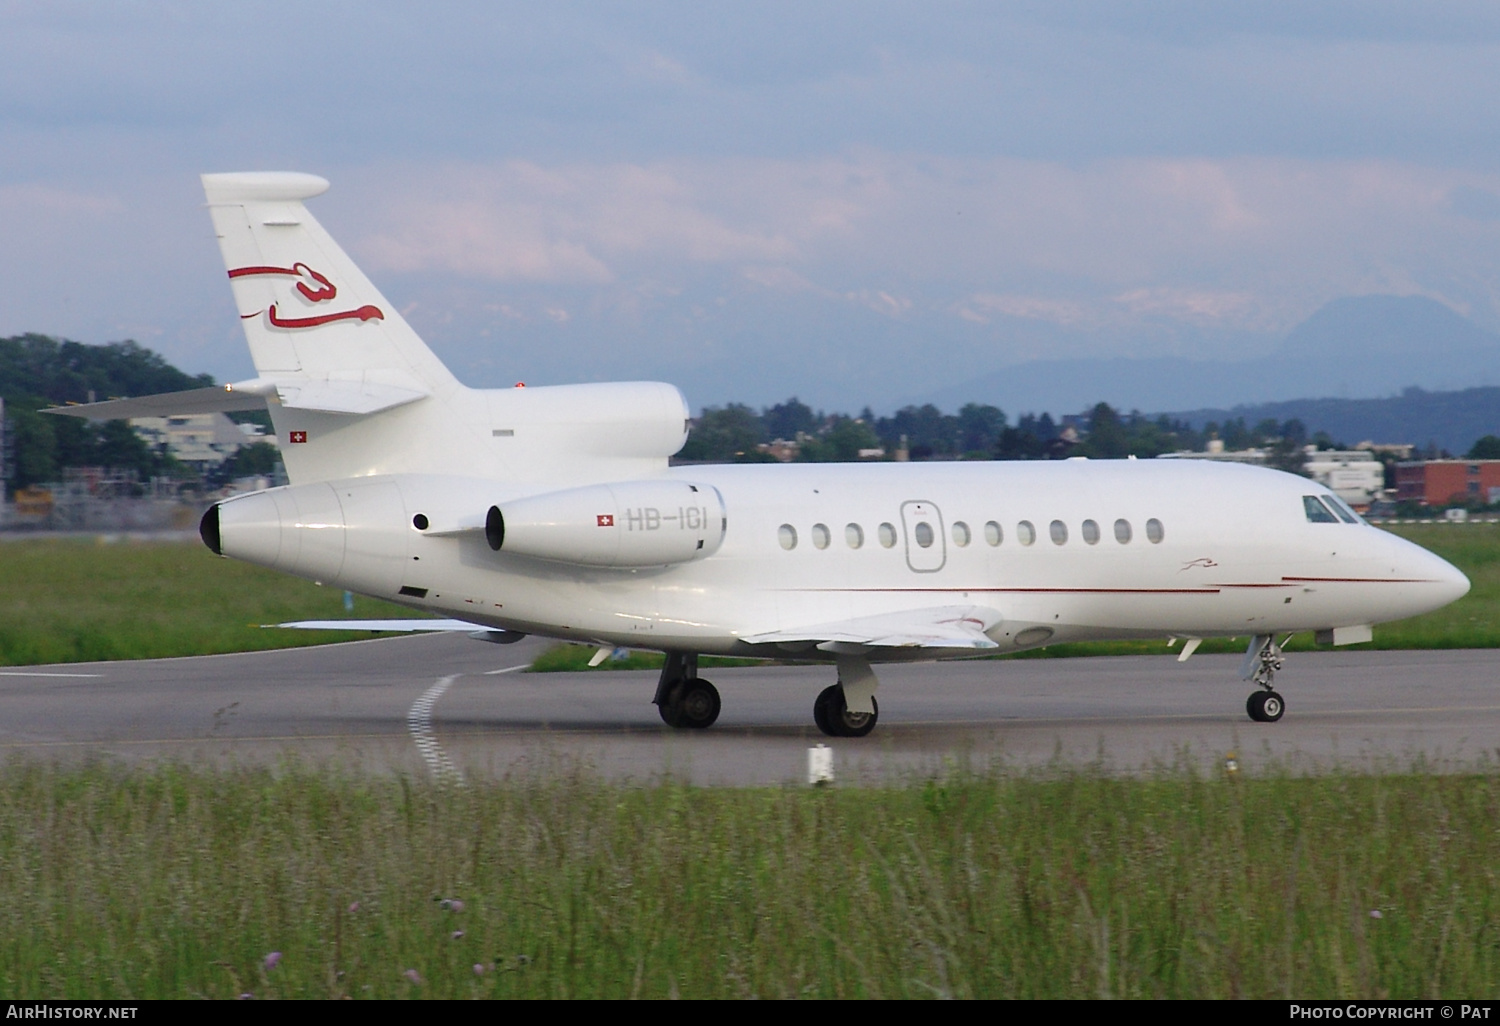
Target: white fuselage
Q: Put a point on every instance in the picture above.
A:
(1236, 555)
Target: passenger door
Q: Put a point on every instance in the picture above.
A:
(922, 530)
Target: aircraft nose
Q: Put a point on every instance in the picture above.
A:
(1448, 582)
(1453, 582)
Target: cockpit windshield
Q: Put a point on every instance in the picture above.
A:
(1317, 513)
(1328, 509)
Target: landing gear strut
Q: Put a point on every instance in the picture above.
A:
(1262, 659)
(848, 708)
(682, 697)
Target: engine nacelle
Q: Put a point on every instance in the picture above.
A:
(622, 525)
(351, 531)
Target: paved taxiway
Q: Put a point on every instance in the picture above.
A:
(426, 703)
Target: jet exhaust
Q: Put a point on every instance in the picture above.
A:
(494, 528)
(208, 530)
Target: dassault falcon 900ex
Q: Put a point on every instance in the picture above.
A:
(554, 511)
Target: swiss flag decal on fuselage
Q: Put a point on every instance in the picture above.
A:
(605, 520)
(297, 437)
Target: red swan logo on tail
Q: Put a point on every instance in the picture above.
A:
(313, 286)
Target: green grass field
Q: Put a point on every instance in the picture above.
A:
(178, 883)
(74, 600)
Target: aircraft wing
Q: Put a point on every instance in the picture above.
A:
(381, 625)
(473, 630)
(932, 627)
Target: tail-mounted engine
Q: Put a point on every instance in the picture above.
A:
(623, 525)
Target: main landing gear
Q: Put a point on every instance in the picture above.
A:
(682, 697)
(1262, 659)
(848, 708)
(831, 714)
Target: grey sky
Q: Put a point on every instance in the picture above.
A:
(855, 202)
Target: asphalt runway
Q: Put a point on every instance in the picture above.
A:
(449, 705)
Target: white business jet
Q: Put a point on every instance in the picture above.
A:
(553, 511)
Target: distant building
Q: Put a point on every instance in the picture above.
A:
(781, 449)
(1219, 454)
(1400, 450)
(1355, 476)
(1441, 482)
(203, 440)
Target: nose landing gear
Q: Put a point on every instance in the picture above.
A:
(1262, 659)
(1265, 706)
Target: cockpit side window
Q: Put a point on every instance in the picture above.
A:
(1341, 507)
(1317, 513)
(1343, 512)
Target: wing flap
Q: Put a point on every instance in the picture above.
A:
(937, 627)
(381, 625)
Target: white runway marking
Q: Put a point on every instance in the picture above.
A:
(508, 669)
(23, 673)
(419, 722)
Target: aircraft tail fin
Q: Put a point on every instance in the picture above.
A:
(308, 311)
(353, 391)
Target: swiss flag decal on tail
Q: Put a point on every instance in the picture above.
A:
(297, 437)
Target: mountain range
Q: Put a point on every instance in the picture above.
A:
(1357, 348)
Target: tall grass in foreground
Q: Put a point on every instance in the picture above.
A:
(171, 882)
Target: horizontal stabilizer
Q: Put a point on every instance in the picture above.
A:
(325, 396)
(345, 396)
(934, 627)
(218, 399)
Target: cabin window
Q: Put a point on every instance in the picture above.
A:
(993, 534)
(1091, 532)
(923, 534)
(820, 536)
(887, 535)
(960, 533)
(1317, 513)
(1059, 532)
(1025, 533)
(787, 535)
(854, 535)
(1154, 532)
(1122, 532)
